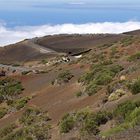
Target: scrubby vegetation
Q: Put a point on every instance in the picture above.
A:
(110, 71)
(134, 86)
(134, 57)
(85, 121)
(127, 41)
(33, 125)
(63, 77)
(9, 89)
(99, 75)
(127, 115)
(3, 112)
(79, 94)
(20, 103)
(44, 61)
(10, 96)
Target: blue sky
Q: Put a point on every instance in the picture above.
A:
(38, 12)
(21, 4)
(20, 19)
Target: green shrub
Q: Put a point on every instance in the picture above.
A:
(39, 132)
(79, 94)
(99, 76)
(65, 76)
(15, 65)
(30, 116)
(10, 89)
(89, 127)
(44, 61)
(131, 114)
(85, 120)
(134, 116)
(125, 109)
(113, 51)
(134, 57)
(92, 121)
(3, 112)
(82, 114)
(135, 86)
(8, 129)
(127, 41)
(20, 103)
(92, 89)
(102, 117)
(104, 78)
(116, 69)
(67, 123)
(32, 125)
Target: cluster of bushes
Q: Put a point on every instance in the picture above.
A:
(134, 86)
(44, 61)
(113, 51)
(3, 112)
(19, 103)
(127, 115)
(127, 41)
(10, 95)
(99, 75)
(63, 77)
(8, 129)
(9, 89)
(79, 94)
(85, 121)
(32, 125)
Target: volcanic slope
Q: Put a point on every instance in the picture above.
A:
(86, 98)
(49, 46)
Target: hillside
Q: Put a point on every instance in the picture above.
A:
(57, 96)
(49, 46)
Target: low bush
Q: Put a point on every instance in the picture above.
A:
(134, 86)
(20, 103)
(33, 125)
(127, 41)
(9, 89)
(104, 78)
(85, 121)
(125, 109)
(129, 114)
(63, 77)
(134, 57)
(92, 89)
(89, 127)
(8, 129)
(131, 117)
(30, 116)
(79, 94)
(67, 123)
(44, 61)
(3, 112)
(99, 76)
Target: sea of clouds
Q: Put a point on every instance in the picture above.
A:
(13, 35)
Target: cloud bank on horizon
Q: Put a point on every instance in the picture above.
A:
(10, 36)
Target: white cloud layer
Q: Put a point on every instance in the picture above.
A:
(9, 36)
